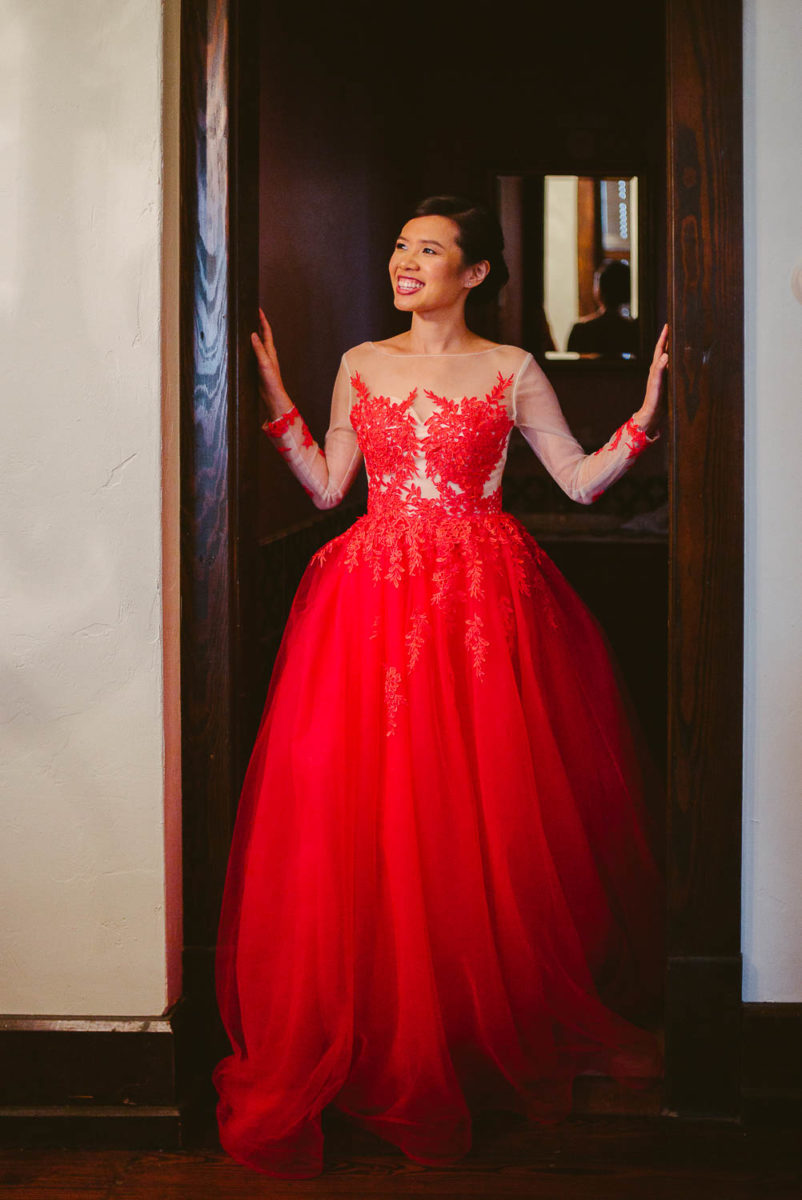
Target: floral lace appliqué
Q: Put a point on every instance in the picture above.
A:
(276, 430)
(393, 698)
(507, 617)
(386, 433)
(464, 442)
(455, 539)
(636, 439)
(281, 424)
(415, 636)
(476, 643)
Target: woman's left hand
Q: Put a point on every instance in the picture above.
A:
(649, 414)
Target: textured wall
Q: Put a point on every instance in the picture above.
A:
(772, 897)
(84, 777)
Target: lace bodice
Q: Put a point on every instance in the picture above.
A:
(433, 431)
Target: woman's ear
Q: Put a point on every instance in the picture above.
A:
(476, 273)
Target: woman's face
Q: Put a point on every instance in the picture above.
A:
(427, 269)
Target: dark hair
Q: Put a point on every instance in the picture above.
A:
(479, 238)
(614, 282)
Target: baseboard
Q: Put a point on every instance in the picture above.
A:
(89, 1081)
(146, 1127)
(112, 1081)
(703, 1037)
(772, 1063)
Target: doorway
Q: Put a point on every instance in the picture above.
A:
(330, 173)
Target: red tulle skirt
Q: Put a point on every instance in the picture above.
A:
(441, 895)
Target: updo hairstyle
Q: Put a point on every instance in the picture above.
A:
(479, 238)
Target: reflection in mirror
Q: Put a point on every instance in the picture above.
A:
(572, 249)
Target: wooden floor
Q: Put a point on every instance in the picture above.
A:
(586, 1158)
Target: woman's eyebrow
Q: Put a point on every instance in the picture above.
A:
(423, 241)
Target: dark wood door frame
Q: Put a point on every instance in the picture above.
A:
(705, 279)
(220, 560)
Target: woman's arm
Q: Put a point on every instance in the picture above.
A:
(584, 477)
(325, 474)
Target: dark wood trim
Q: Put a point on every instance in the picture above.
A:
(89, 1081)
(220, 559)
(208, 463)
(772, 1064)
(247, 578)
(588, 242)
(149, 1127)
(113, 1081)
(705, 275)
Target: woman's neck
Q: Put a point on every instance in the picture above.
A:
(439, 333)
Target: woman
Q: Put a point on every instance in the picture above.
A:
(439, 860)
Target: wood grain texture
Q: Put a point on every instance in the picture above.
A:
(248, 584)
(207, 700)
(585, 1159)
(588, 243)
(706, 518)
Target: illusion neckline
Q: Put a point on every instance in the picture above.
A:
(458, 354)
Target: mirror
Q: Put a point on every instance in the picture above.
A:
(572, 248)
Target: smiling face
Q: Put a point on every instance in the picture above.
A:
(427, 268)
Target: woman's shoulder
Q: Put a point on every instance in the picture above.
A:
(356, 353)
(515, 354)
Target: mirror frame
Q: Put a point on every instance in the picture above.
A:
(534, 173)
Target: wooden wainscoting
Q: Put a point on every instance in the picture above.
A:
(89, 1081)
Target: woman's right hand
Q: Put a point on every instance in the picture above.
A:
(271, 388)
(648, 415)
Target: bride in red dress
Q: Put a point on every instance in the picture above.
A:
(441, 897)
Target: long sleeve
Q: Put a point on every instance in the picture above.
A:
(583, 477)
(325, 474)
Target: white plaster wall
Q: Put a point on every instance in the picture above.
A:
(88, 832)
(772, 878)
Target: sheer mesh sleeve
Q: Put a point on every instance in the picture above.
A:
(583, 477)
(327, 474)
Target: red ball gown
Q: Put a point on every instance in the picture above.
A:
(441, 894)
